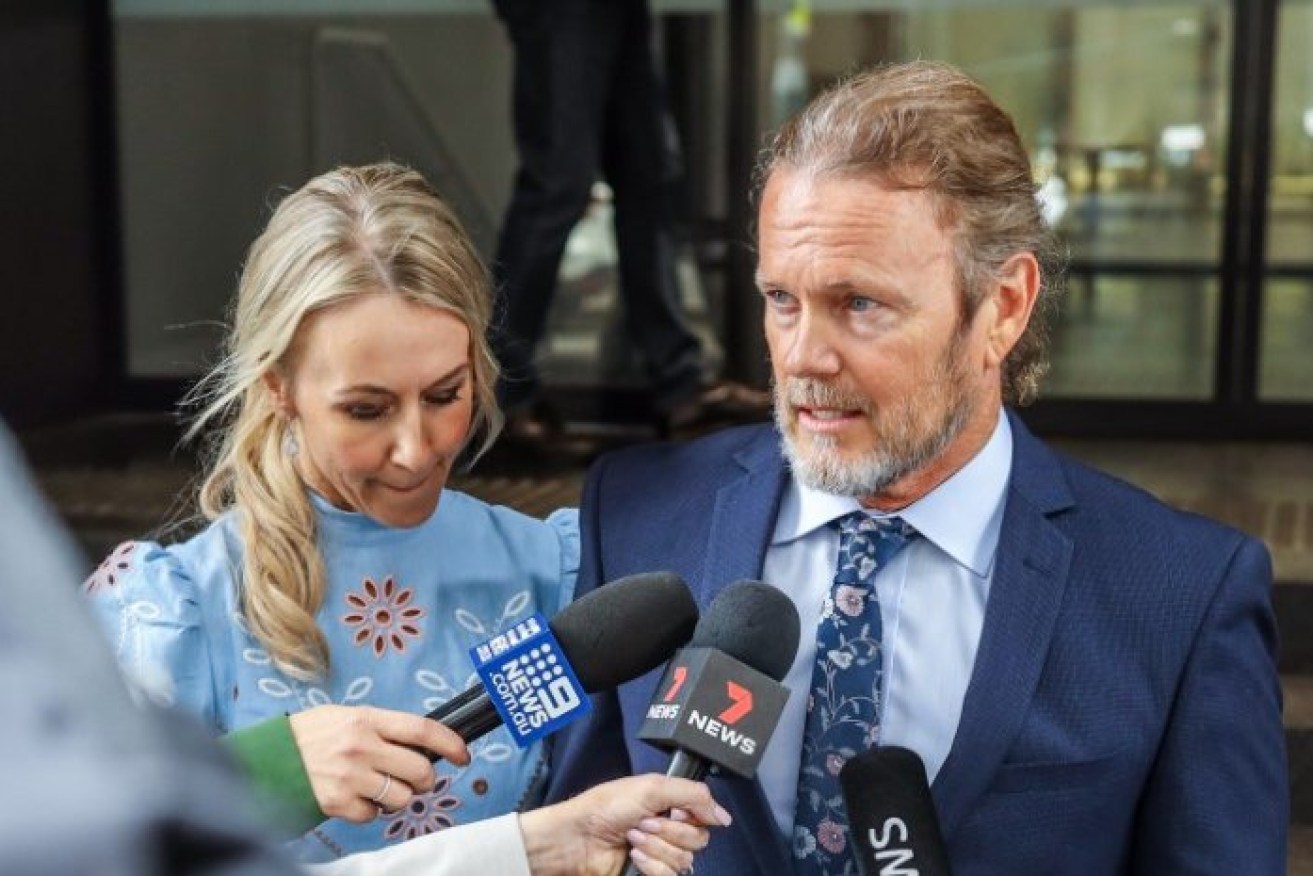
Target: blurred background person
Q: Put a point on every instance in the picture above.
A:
(337, 572)
(589, 102)
(93, 784)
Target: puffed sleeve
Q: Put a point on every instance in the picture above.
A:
(566, 524)
(145, 600)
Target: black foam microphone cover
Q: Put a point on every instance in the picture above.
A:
(891, 814)
(755, 624)
(626, 628)
(610, 636)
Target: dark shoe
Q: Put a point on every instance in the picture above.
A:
(724, 402)
(536, 423)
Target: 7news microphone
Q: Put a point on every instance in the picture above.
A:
(891, 814)
(531, 681)
(721, 697)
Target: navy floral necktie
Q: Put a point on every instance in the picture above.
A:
(843, 709)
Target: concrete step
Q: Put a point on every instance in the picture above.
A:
(1293, 603)
(1298, 715)
(1263, 489)
(1301, 851)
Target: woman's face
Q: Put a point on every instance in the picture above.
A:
(381, 392)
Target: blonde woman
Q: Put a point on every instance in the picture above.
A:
(337, 571)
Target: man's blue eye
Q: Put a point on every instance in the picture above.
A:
(861, 305)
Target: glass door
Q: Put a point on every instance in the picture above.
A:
(1124, 110)
(1285, 372)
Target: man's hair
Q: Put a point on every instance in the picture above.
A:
(927, 126)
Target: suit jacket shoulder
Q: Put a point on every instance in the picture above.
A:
(658, 507)
(672, 472)
(1120, 531)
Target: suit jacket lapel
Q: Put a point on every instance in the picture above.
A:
(742, 523)
(743, 518)
(1030, 576)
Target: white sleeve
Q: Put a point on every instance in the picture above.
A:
(490, 846)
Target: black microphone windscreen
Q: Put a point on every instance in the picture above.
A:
(755, 624)
(625, 628)
(891, 813)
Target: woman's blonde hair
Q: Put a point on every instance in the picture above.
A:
(351, 232)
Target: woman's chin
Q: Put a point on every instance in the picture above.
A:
(404, 514)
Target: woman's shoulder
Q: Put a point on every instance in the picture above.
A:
(468, 512)
(198, 562)
(157, 604)
(483, 532)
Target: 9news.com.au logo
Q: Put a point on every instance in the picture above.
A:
(530, 681)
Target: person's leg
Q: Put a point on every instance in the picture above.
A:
(641, 162)
(563, 55)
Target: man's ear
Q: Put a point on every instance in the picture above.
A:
(280, 390)
(1015, 291)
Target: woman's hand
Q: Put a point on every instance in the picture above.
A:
(362, 761)
(590, 835)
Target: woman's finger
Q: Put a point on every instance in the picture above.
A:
(404, 764)
(684, 835)
(650, 866)
(658, 850)
(357, 811)
(417, 731)
(389, 793)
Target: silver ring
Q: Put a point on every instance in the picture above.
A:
(383, 791)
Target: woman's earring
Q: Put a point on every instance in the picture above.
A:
(290, 447)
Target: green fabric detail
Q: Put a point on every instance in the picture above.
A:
(268, 755)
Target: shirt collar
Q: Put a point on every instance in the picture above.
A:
(962, 516)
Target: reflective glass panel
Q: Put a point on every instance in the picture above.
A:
(1123, 108)
(1286, 341)
(225, 105)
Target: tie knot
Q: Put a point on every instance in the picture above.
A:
(859, 523)
(867, 544)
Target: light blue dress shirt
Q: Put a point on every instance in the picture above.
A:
(932, 604)
(401, 610)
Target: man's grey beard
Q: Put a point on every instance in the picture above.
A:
(902, 448)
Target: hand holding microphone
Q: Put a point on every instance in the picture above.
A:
(590, 834)
(720, 698)
(363, 759)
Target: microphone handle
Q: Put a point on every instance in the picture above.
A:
(683, 765)
(686, 765)
(470, 714)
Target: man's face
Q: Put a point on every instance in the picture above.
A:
(882, 387)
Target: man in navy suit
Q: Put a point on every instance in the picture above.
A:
(1088, 675)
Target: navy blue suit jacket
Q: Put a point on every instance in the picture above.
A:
(1124, 711)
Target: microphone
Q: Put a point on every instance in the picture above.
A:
(891, 814)
(720, 698)
(616, 633)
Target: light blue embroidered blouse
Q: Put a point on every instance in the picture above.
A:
(402, 609)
